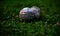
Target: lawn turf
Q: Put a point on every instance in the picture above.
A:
(10, 24)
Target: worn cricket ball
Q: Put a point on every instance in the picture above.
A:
(36, 10)
(26, 14)
(29, 13)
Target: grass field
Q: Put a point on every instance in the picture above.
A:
(10, 24)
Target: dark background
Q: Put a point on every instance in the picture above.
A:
(48, 24)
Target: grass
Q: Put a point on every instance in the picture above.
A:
(10, 24)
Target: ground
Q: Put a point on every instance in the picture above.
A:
(10, 24)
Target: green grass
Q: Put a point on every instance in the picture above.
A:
(10, 24)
